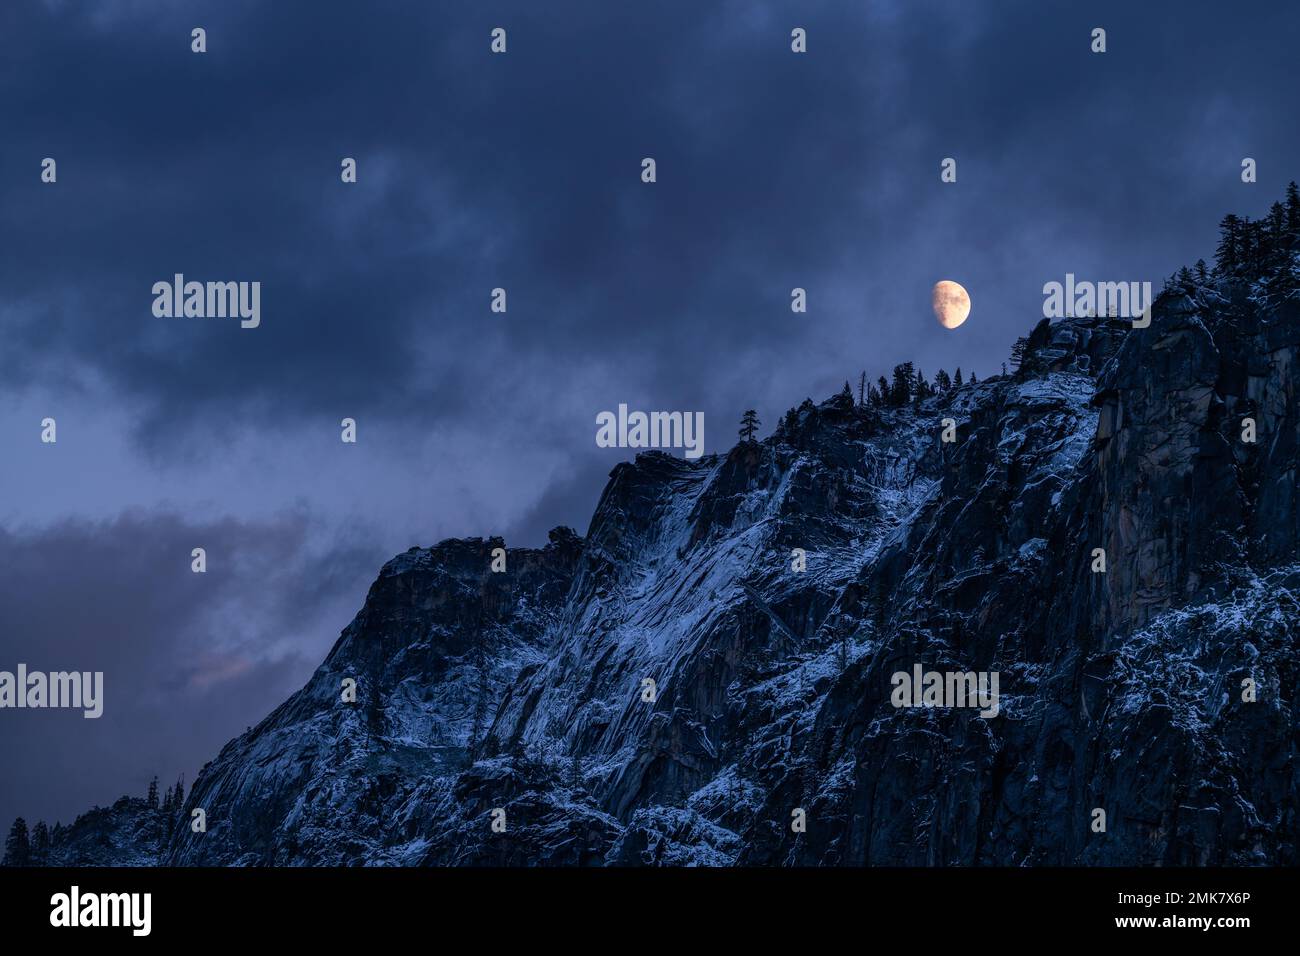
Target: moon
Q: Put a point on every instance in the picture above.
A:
(951, 303)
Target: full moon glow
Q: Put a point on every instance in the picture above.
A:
(951, 303)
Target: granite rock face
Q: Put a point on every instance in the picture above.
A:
(670, 690)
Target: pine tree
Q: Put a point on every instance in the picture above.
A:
(956, 379)
(1293, 216)
(862, 389)
(900, 390)
(1202, 272)
(749, 422)
(941, 381)
(17, 848)
(920, 387)
(882, 387)
(1018, 353)
(152, 798)
(1227, 255)
(1278, 253)
(846, 395)
(1254, 247)
(973, 379)
(1277, 222)
(40, 846)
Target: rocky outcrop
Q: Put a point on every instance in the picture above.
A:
(326, 779)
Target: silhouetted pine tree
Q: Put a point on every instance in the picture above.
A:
(152, 798)
(920, 387)
(956, 378)
(1277, 252)
(900, 390)
(882, 387)
(1228, 253)
(941, 381)
(1247, 249)
(749, 422)
(17, 848)
(1018, 353)
(40, 845)
(1293, 216)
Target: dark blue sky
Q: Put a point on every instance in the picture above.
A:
(775, 170)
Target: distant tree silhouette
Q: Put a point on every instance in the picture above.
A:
(40, 844)
(882, 388)
(956, 378)
(920, 387)
(1293, 216)
(174, 798)
(152, 798)
(942, 382)
(862, 389)
(17, 848)
(900, 389)
(973, 380)
(749, 422)
(1228, 254)
(1018, 353)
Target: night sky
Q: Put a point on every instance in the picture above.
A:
(522, 171)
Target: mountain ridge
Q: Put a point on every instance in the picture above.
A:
(520, 697)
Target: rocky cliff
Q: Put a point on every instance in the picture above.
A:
(711, 665)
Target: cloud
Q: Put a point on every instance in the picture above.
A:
(188, 659)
